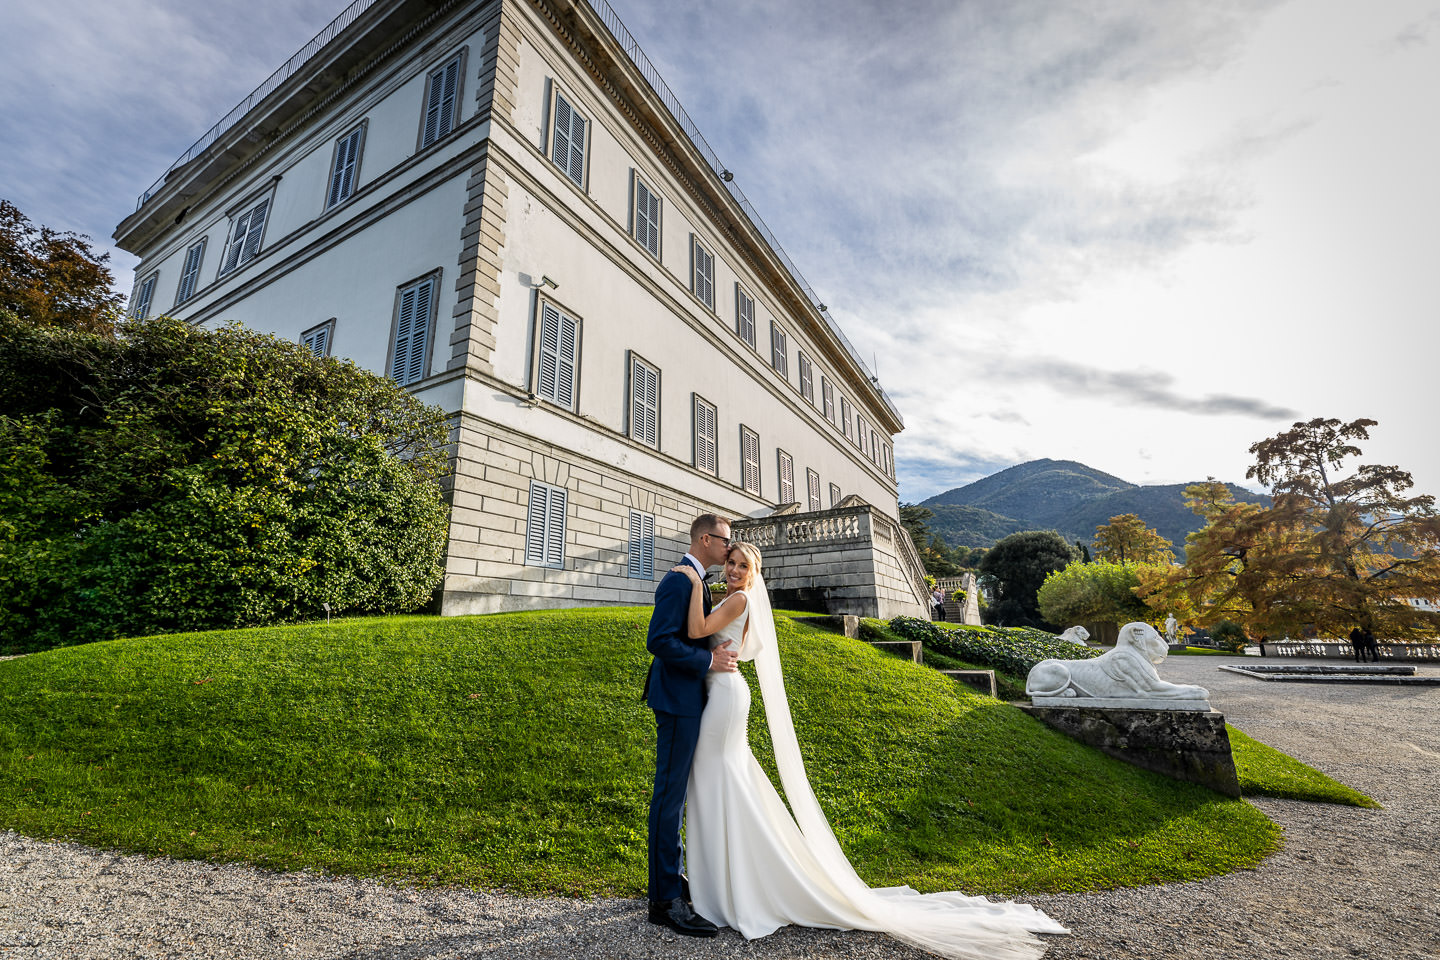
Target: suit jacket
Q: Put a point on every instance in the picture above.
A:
(676, 681)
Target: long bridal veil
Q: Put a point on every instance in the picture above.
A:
(950, 924)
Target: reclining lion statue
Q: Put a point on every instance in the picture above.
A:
(1125, 673)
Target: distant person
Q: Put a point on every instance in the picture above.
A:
(1357, 643)
(1371, 644)
(937, 601)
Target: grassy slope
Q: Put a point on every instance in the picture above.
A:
(1266, 772)
(513, 751)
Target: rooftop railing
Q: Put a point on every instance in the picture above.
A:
(286, 71)
(672, 103)
(652, 76)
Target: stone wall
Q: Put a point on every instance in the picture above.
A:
(485, 568)
(845, 560)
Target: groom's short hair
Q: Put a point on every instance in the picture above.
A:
(706, 523)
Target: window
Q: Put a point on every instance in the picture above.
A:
(442, 101)
(567, 142)
(707, 456)
(646, 226)
(875, 447)
(642, 545)
(545, 526)
(644, 402)
(812, 488)
(144, 296)
(861, 432)
(190, 276)
(246, 231)
(702, 273)
(750, 460)
(827, 398)
(889, 461)
(745, 315)
(410, 347)
(807, 378)
(777, 350)
(344, 171)
(557, 356)
(845, 418)
(318, 338)
(834, 494)
(787, 477)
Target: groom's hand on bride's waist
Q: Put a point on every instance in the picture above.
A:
(722, 658)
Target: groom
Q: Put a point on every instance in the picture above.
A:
(675, 690)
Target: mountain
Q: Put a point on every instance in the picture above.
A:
(1060, 495)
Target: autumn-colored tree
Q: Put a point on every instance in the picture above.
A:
(1336, 549)
(54, 279)
(1126, 539)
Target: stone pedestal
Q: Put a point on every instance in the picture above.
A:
(1182, 744)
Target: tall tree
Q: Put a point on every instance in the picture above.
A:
(1126, 539)
(1338, 547)
(54, 279)
(1101, 591)
(1015, 569)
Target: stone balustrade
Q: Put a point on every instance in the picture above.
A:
(850, 559)
(1342, 649)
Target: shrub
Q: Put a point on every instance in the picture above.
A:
(177, 478)
(1011, 649)
(1228, 635)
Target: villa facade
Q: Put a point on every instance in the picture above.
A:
(501, 206)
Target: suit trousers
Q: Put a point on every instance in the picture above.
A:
(675, 739)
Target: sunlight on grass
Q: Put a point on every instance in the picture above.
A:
(513, 751)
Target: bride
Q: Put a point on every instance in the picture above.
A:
(755, 868)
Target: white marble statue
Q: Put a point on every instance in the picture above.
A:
(1171, 627)
(1076, 635)
(1123, 677)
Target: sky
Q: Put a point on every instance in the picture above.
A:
(1138, 235)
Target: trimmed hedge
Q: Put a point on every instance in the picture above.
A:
(1012, 649)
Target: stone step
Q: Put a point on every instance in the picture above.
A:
(981, 680)
(911, 650)
(845, 624)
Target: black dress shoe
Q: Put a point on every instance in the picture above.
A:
(677, 915)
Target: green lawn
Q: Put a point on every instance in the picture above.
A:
(1266, 772)
(513, 751)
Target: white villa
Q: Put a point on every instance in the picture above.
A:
(500, 204)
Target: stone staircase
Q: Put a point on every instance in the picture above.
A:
(912, 650)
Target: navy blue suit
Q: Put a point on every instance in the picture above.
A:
(675, 690)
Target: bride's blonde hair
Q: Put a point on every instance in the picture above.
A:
(752, 557)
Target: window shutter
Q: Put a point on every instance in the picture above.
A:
(555, 529)
(545, 526)
(745, 312)
(560, 147)
(190, 278)
(647, 218)
(576, 169)
(642, 545)
(342, 178)
(535, 524)
(236, 242)
(432, 108)
(778, 350)
(834, 494)
(703, 282)
(706, 443)
(787, 478)
(750, 457)
(559, 344)
(807, 386)
(257, 227)
(449, 89)
(412, 330)
(812, 484)
(318, 340)
(644, 402)
(827, 396)
(145, 295)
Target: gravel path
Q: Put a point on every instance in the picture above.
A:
(1349, 883)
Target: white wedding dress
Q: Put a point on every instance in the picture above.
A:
(754, 868)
